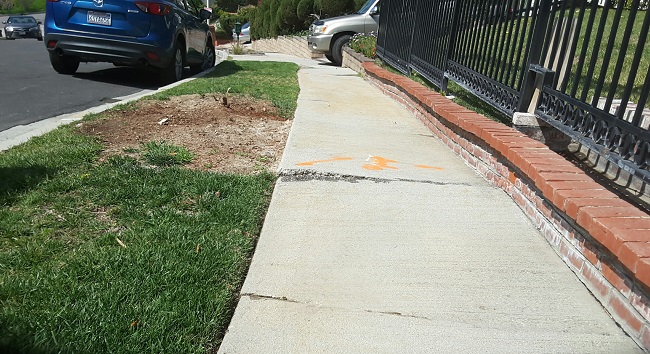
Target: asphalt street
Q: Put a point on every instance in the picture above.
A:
(30, 90)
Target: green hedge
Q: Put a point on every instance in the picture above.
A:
(21, 6)
(274, 18)
(228, 20)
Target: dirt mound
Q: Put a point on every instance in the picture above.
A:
(229, 135)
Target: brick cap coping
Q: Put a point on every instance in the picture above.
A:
(620, 227)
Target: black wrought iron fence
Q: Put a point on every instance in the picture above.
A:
(577, 64)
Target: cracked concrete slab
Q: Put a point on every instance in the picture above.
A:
(346, 126)
(286, 327)
(309, 175)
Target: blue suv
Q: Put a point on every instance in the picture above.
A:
(165, 35)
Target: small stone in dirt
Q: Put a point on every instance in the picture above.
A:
(164, 121)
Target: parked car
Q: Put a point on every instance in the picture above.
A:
(328, 36)
(160, 34)
(244, 34)
(22, 27)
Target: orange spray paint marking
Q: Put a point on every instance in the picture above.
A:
(312, 163)
(379, 163)
(427, 167)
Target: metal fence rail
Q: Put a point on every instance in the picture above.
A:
(589, 63)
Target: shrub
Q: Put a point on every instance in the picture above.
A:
(329, 8)
(246, 11)
(280, 17)
(358, 4)
(228, 20)
(237, 49)
(257, 18)
(365, 44)
(304, 9)
(6, 5)
(287, 17)
(233, 5)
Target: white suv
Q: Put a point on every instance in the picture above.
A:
(328, 36)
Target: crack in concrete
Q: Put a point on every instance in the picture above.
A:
(257, 297)
(267, 297)
(399, 314)
(312, 175)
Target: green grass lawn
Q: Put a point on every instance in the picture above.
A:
(599, 57)
(589, 34)
(273, 81)
(117, 256)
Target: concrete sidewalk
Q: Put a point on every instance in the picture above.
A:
(379, 239)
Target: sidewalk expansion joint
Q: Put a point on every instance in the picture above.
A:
(311, 175)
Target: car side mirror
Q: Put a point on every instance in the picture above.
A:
(39, 22)
(205, 14)
(4, 21)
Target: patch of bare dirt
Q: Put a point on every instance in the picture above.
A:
(229, 135)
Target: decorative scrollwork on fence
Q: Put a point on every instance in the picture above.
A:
(595, 127)
(430, 72)
(500, 96)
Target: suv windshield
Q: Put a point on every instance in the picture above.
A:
(366, 7)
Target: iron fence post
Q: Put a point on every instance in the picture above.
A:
(535, 54)
(451, 45)
(409, 69)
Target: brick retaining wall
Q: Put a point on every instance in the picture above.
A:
(291, 45)
(354, 60)
(603, 239)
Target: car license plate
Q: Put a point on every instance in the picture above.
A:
(99, 18)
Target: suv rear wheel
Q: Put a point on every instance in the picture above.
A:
(337, 49)
(64, 64)
(208, 60)
(174, 71)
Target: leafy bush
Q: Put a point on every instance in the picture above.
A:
(364, 43)
(273, 18)
(21, 6)
(328, 8)
(305, 8)
(233, 5)
(6, 5)
(228, 20)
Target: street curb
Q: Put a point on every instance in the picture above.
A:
(22, 133)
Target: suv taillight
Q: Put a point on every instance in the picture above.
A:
(154, 8)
